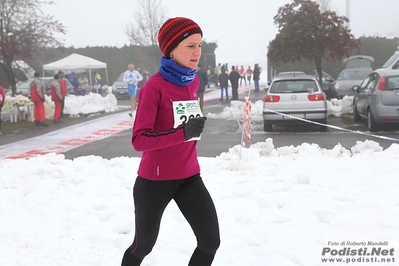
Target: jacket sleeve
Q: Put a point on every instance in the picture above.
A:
(205, 77)
(58, 90)
(145, 136)
(39, 89)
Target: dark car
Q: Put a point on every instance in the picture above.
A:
(357, 68)
(376, 99)
(328, 84)
(119, 88)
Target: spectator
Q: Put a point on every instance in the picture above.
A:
(2, 99)
(83, 83)
(256, 73)
(234, 78)
(242, 76)
(132, 77)
(249, 73)
(201, 88)
(75, 83)
(209, 76)
(38, 98)
(216, 73)
(64, 90)
(57, 98)
(223, 79)
(145, 74)
(169, 168)
(97, 79)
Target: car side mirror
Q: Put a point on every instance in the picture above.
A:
(356, 88)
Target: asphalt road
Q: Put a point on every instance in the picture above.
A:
(221, 134)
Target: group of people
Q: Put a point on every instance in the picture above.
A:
(235, 76)
(245, 74)
(81, 84)
(58, 90)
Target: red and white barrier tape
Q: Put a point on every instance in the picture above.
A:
(246, 129)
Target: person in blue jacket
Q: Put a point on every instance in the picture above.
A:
(223, 79)
(74, 81)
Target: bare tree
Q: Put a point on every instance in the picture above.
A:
(25, 33)
(148, 19)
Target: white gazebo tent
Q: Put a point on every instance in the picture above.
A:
(76, 61)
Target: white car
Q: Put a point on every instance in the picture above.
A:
(290, 98)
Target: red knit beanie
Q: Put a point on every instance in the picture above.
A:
(175, 30)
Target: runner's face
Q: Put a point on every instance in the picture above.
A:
(188, 52)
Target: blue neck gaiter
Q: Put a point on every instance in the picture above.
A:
(178, 75)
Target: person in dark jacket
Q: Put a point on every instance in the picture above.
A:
(234, 78)
(223, 79)
(203, 76)
(256, 77)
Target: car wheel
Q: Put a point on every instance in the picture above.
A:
(267, 127)
(356, 116)
(371, 125)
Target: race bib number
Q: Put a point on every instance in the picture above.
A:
(184, 111)
(130, 79)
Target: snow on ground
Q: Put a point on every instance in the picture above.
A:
(276, 206)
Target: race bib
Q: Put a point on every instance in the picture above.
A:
(184, 111)
(130, 79)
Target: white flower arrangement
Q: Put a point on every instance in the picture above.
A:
(18, 100)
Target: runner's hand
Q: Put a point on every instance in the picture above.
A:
(194, 127)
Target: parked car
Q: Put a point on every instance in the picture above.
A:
(393, 61)
(290, 74)
(328, 84)
(376, 99)
(119, 88)
(356, 70)
(294, 97)
(24, 87)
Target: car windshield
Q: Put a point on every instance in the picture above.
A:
(355, 74)
(393, 82)
(391, 60)
(25, 85)
(290, 74)
(294, 86)
(120, 78)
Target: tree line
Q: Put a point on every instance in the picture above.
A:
(117, 59)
